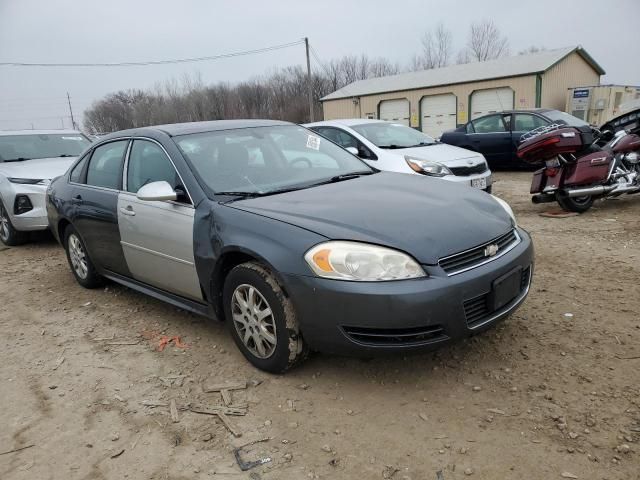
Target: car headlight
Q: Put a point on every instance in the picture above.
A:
(362, 262)
(29, 181)
(427, 167)
(507, 208)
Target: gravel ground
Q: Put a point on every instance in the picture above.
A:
(553, 392)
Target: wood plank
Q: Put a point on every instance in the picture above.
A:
(224, 386)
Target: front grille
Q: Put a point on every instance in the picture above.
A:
(477, 309)
(395, 336)
(464, 171)
(473, 257)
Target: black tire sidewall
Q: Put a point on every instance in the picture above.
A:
(570, 205)
(16, 237)
(256, 276)
(93, 279)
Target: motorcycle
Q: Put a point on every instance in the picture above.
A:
(576, 170)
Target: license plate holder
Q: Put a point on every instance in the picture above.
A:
(505, 288)
(479, 183)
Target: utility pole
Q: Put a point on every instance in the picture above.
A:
(73, 122)
(309, 84)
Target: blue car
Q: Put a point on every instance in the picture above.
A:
(496, 136)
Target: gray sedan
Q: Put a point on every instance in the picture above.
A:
(294, 242)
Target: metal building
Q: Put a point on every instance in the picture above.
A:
(597, 104)
(439, 99)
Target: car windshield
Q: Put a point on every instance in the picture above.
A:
(562, 117)
(267, 160)
(393, 135)
(28, 147)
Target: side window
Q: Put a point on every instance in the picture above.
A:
(490, 124)
(470, 128)
(345, 140)
(76, 173)
(148, 163)
(105, 166)
(525, 122)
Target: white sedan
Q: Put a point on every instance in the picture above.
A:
(398, 148)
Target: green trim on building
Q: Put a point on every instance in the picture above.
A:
(538, 91)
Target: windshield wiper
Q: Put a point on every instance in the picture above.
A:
(19, 159)
(347, 176)
(241, 194)
(422, 144)
(391, 147)
(64, 155)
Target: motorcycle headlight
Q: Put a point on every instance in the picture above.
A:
(427, 167)
(507, 208)
(362, 262)
(29, 181)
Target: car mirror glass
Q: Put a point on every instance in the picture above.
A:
(156, 191)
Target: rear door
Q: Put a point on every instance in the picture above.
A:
(491, 137)
(95, 200)
(157, 237)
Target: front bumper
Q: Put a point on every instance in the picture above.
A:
(467, 179)
(358, 318)
(34, 219)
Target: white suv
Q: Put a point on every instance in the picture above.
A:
(398, 148)
(29, 160)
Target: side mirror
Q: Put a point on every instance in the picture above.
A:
(156, 192)
(353, 150)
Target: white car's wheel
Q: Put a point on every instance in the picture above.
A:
(8, 234)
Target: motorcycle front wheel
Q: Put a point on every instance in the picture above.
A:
(574, 204)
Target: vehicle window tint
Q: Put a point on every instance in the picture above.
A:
(470, 128)
(76, 173)
(105, 166)
(525, 122)
(490, 124)
(148, 163)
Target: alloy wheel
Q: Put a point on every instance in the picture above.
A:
(254, 321)
(78, 257)
(4, 224)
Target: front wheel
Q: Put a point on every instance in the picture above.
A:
(8, 234)
(574, 204)
(262, 319)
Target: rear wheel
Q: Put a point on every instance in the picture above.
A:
(8, 234)
(261, 319)
(574, 204)
(80, 263)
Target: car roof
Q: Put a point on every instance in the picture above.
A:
(4, 133)
(176, 129)
(347, 122)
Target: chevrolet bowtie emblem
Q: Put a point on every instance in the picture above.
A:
(490, 250)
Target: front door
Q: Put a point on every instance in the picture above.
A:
(157, 237)
(492, 138)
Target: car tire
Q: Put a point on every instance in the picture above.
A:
(574, 204)
(81, 265)
(262, 319)
(8, 234)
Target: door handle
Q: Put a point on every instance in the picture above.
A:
(127, 211)
(76, 199)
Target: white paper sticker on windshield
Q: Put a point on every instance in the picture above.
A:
(313, 142)
(72, 138)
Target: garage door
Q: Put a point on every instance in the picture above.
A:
(395, 111)
(491, 101)
(438, 113)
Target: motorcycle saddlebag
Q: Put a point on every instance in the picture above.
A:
(590, 169)
(537, 182)
(548, 145)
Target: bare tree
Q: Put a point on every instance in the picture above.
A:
(486, 42)
(436, 48)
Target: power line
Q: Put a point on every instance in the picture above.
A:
(155, 62)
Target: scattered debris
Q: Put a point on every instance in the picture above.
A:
(17, 449)
(439, 475)
(117, 454)
(173, 409)
(154, 403)
(468, 471)
(423, 417)
(123, 343)
(247, 465)
(558, 213)
(568, 475)
(497, 411)
(224, 386)
(165, 340)
(389, 471)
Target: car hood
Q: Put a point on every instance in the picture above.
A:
(440, 152)
(40, 168)
(426, 217)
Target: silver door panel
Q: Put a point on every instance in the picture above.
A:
(157, 240)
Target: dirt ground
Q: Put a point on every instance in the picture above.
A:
(553, 392)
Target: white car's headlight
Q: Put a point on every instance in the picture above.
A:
(29, 181)
(362, 262)
(427, 167)
(507, 208)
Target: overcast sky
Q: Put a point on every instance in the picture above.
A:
(75, 31)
